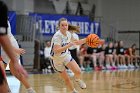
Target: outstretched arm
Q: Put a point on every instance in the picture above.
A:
(80, 42)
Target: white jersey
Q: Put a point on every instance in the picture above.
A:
(11, 37)
(13, 42)
(60, 39)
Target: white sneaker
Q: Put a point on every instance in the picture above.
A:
(119, 66)
(81, 83)
(125, 67)
(122, 66)
(30, 90)
(108, 67)
(131, 66)
(82, 68)
(74, 91)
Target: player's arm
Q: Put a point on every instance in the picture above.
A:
(80, 42)
(77, 41)
(57, 45)
(83, 41)
(58, 49)
(19, 51)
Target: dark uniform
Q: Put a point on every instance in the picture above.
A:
(3, 31)
(109, 51)
(120, 51)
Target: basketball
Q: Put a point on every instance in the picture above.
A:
(93, 40)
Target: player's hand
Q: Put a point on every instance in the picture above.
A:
(80, 42)
(21, 51)
(20, 70)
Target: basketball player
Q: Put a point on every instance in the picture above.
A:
(6, 44)
(110, 64)
(61, 41)
(131, 52)
(115, 54)
(7, 61)
(121, 55)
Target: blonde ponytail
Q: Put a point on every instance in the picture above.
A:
(73, 28)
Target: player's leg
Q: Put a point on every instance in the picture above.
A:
(108, 66)
(129, 60)
(4, 65)
(101, 60)
(57, 64)
(94, 61)
(81, 61)
(120, 61)
(116, 60)
(123, 61)
(3, 85)
(67, 80)
(77, 72)
(21, 78)
(75, 68)
(112, 62)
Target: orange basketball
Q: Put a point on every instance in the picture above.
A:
(93, 40)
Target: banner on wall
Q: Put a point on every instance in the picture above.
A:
(12, 20)
(48, 23)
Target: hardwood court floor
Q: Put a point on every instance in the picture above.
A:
(120, 81)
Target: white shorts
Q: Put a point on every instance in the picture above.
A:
(59, 63)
